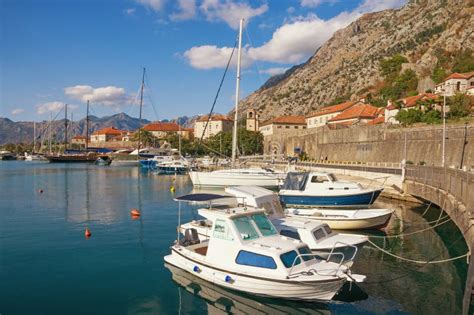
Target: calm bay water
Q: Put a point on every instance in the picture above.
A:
(48, 267)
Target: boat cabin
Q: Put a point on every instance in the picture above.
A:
(316, 181)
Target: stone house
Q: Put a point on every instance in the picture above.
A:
(323, 115)
(81, 140)
(359, 113)
(409, 102)
(161, 130)
(217, 123)
(456, 83)
(106, 134)
(282, 124)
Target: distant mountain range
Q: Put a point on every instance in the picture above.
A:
(22, 131)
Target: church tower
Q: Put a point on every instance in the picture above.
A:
(252, 120)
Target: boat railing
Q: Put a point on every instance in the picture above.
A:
(345, 244)
(316, 255)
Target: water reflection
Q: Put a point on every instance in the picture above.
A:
(222, 301)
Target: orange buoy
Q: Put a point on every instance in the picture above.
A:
(135, 212)
(40, 191)
(87, 233)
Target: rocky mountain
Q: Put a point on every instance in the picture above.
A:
(22, 131)
(425, 32)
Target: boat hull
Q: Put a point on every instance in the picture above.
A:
(215, 179)
(355, 199)
(171, 170)
(72, 158)
(293, 290)
(343, 222)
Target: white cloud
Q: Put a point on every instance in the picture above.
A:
(291, 43)
(109, 96)
(275, 71)
(230, 12)
(130, 11)
(187, 10)
(155, 5)
(17, 111)
(208, 57)
(52, 107)
(315, 3)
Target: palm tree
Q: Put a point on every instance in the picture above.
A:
(146, 137)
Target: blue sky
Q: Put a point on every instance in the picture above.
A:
(54, 52)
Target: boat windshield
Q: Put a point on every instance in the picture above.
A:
(245, 228)
(295, 181)
(264, 225)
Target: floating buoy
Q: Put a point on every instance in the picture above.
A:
(135, 212)
(40, 191)
(87, 233)
(172, 188)
(228, 279)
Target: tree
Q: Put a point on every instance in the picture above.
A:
(438, 75)
(391, 67)
(146, 137)
(464, 61)
(431, 117)
(249, 142)
(459, 105)
(408, 117)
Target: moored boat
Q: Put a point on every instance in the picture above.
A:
(339, 219)
(312, 189)
(238, 177)
(244, 252)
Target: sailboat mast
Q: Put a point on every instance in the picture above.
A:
(87, 126)
(179, 139)
(140, 116)
(50, 123)
(34, 137)
(65, 128)
(237, 92)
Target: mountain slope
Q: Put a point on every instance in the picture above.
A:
(347, 65)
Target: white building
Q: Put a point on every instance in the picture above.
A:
(281, 124)
(322, 116)
(457, 83)
(217, 123)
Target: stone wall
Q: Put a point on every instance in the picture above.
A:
(379, 144)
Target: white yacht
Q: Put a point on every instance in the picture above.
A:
(244, 252)
(318, 235)
(314, 189)
(238, 177)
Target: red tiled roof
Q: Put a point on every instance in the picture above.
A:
(214, 118)
(391, 107)
(331, 109)
(377, 121)
(456, 75)
(108, 131)
(286, 120)
(357, 111)
(411, 100)
(79, 137)
(160, 126)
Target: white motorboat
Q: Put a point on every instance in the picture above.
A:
(314, 189)
(238, 177)
(34, 157)
(318, 235)
(244, 252)
(360, 219)
(180, 166)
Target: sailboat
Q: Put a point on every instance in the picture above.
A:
(73, 156)
(238, 176)
(33, 156)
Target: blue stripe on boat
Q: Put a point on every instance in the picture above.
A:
(367, 198)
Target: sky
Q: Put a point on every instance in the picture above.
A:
(56, 52)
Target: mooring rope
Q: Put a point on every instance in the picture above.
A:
(417, 261)
(412, 233)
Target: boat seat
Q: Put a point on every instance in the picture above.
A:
(201, 250)
(191, 237)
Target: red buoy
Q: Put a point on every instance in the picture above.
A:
(135, 212)
(87, 233)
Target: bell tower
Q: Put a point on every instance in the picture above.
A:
(252, 120)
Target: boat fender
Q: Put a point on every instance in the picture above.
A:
(87, 233)
(172, 188)
(228, 279)
(196, 269)
(135, 212)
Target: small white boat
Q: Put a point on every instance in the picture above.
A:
(238, 177)
(244, 252)
(34, 157)
(313, 189)
(360, 219)
(180, 166)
